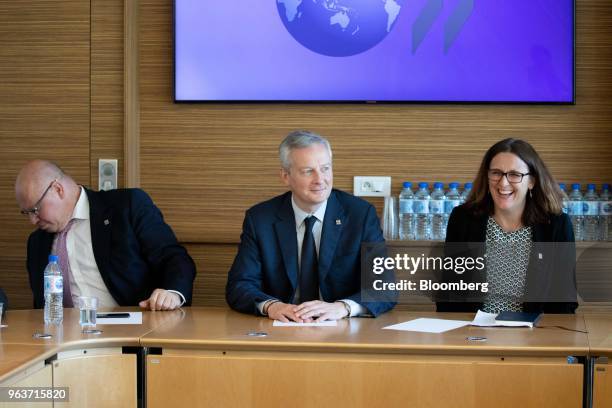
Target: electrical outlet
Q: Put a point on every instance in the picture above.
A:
(372, 186)
(107, 174)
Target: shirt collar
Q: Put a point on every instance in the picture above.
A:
(301, 215)
(81, 209)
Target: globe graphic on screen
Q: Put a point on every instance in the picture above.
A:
(339, 28)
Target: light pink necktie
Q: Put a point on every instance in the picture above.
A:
(60, 249)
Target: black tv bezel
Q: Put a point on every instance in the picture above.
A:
(369, 102)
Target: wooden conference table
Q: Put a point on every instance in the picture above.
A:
(599, 327)
(100, 370)
(220, 358)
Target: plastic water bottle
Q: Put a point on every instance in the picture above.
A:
(591, 214)
(575, 211)
(564, 198)
(407, 220)
(605, 213)
(436, 210)
(54, 292)
(421, 211)
(467, 189)
(453, 199)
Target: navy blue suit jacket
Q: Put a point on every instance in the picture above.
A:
(266, 265)
(135, 250)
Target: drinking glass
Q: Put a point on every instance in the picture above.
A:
(390, 218)
(88, 306)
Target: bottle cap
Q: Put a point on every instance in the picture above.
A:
(467, 186)
(454, 184)
(591, 187)
(438, 184)
(423, 185)
(576, 186)
(605, 186)
(562, 186)
(407, 184)
(53, 258)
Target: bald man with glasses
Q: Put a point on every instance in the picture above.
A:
(113, 244)
(35, 209)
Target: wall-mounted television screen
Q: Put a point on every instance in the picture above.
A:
(374, 50)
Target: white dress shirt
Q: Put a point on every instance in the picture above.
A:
(317, 229)
(86, 279)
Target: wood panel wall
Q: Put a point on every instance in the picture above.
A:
(61, 98)
(106, 85)
(205, 164)
(61, 88)
(44, 111)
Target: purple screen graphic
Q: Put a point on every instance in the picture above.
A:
(375, 50)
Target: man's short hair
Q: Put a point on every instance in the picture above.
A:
(299, 139)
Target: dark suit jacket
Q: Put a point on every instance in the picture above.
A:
(266, 265)
(551, 272)
(135, 250)
(3, 300)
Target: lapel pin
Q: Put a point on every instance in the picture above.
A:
(106, 222)
(540, 255)
(338, 222)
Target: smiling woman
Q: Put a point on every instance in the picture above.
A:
(515, 207)
(514, 186)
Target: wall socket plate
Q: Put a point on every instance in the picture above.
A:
(372, 186)
(107, 174)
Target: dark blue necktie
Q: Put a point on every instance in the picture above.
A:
(309, 265)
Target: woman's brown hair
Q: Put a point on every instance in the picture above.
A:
(545, 197)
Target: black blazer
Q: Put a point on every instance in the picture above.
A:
(266, 265)
(135, 250)
(551, 271)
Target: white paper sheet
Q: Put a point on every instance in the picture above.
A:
(326, 323)
(484, 319)
(426, 325)
(135, 318)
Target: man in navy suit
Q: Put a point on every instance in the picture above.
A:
(115, 244)
(299, 255)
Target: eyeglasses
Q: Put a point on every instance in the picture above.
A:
(36, 209)
(513, 177)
